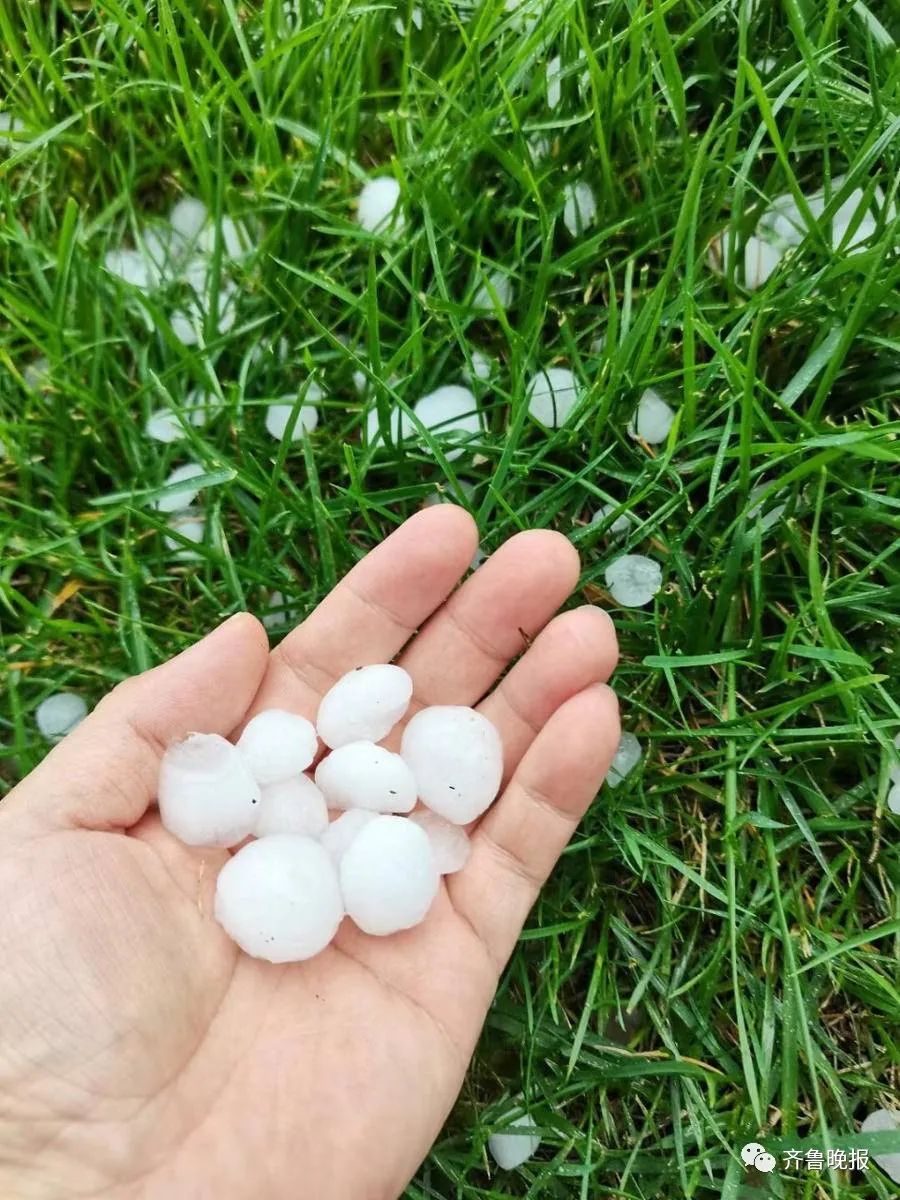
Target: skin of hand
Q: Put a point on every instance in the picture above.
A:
(141, 1053)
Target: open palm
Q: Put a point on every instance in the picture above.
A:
(141, 1054)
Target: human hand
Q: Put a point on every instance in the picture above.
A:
(141, 1054)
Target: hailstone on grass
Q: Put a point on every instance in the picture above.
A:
(363, 775)
(620, 527)
(554, 81)
(163, 425)
(510, 1149)
(633, 580)
(626, 758)
(207, 795)
(278, 417)
(277, 744)
(188, 217)
(340, 833)
(364, 705)
(893, 799)
(378, 208)
(451, 414)
(292, 805)
(279, 898)
(189, 524)
(482, 367)
(449, 843)
(278, 612)
(388, 876)
(182, 492)
(60, 714)
(131, 267)
(552, 395)
(456, 757)
(761, 258)
(496, 292)
(10, 124)
(652, 419)
(884, 1120)
(580, 208)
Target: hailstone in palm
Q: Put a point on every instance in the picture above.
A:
(456, 757)
(552, 395)
(378, 208)
(60, 714)
(652, 420)
(363, 775)
(340, 833)
(449, 843)
(207, 795)
(279, 898)
(277, 744)
(293, 805)
(633, 580)
(514, 1144)
(388, 876)
(364, 705)
(579, 209)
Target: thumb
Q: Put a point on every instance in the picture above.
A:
(103, 775)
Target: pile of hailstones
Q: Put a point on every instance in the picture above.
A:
(283, 895)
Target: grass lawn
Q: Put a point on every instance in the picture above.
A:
(715, 959)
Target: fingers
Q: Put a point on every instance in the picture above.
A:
(470, 641)
(104, 774)
(517, 843)
(576, 649)
(374, 610)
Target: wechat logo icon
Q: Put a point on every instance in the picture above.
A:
(755, 1155)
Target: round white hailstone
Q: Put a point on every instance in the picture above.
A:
(783, 224)
(37, 374)
(761, 258)
(279, 898)
(195, 272)
(884, 1120)
(893, 799)
(481, 369)
(206, 794)
(400, 425)
(364, 705)
(340, 833)
(509, 1150)
(132, 267)
(626, 758)
(277, 744)
(450, 412)
(200, 407)
(598, 344)
(277, 612)
(477, 559)
(652, 419)
(633, 580)
(388, 876)
(722, 251)
(539, 147)
(766, 65)
(620, 527)
(363, 775)
(279, 415)
(498, 283)
(554, 81)
(361, 384)
(188, 217)
(163, 425)
(292, 806)
(449, 843)
(378, 206)
(456, 757)
(235, 238)
(189, 524)
(183, 496)
(580, 208)
(415, 17)
(847, 215)
(552, 395)
(58, 715)
(10, 124)
(185, 326)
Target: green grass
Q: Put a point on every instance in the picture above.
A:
(715, 959)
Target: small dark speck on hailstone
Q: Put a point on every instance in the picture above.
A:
(391, 790)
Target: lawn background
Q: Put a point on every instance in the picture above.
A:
(715, 958)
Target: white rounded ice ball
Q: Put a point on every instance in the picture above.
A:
(388, 876)
(378, 206)
(552, 395)
(515, 1144)
(206, 794)
(456, 756)
(292, 806)
(449, 843)
(279, 898)
(652, 420)
(364, 705)
(633, 580)
(277, 744)
(340, 833)
(363, 775)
